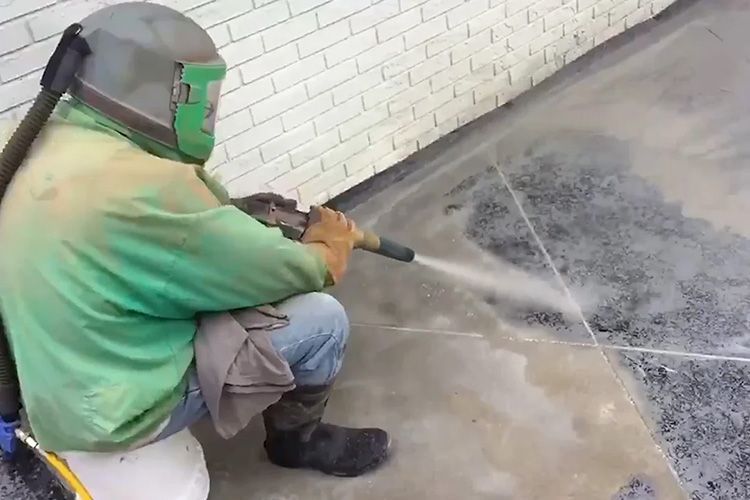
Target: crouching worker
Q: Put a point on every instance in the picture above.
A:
(136, 296)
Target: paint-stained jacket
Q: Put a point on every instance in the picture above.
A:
(108, 254)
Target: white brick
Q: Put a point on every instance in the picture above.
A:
(525, 35)
(633, 19)
(299, 6)
(287, 142)
(388, 126)
(350, 47)
(526, 67)
(345, 150)
(582, 47)
(338, 114)
(293, 29)
(268, 63)
(218, 157)
(491, 87)
(604, 6)
(331, 77)
(367, 157)
(363, 121)
(468, 9)
(585, 4)
(477, 110)
(374, 15)
(546, 39)
(24, 61)
(450, 75)
(427, 138)
(214, 13)
(434, 8)
(501, 31)
(432, 102)
(514, 6)
(19, 91)
(351, 181)
(258, 3)
(314, 148)
(357, 86)
(580, 23)
(257, 20)
(379, 54)
(234, 168)
(543, 7)
(339, 9)
(477, 77)
(619, 12)
(609, 32)
(406, 99)
(307, 111)
(232, 125)
(413, 130)
(447, 126)
(404, 62)
(471, 46)
(277, 103)
(446, 40)
(398, 24)
(245, 96)
(424, 32)
(542, 73)
(511, 59)
(323, 38)
(318, 185)
(453, 107)
(52, 21)
(295, 73)
(251, 180)
(236, 53)
(559, 16)
(232, 81)
(297, 176)
(220, 35)
(487, 55)
(385, 90)
(428, 68)
(253, 138)
(409, 4)
(14, 36)
(15, 8)
(486, 20)
(399, 154)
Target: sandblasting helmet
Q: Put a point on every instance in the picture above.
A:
(155, 72)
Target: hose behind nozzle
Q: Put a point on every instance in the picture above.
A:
(57, 77)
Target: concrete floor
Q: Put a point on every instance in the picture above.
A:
(625, 178)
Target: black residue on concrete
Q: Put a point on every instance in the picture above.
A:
(701, 412)
(638, 488)
(27, 478)
(663, 280)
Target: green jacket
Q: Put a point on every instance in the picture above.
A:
(108, 254)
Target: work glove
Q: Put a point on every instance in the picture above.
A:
(337, 234)
(256, 204)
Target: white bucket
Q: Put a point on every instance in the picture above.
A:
(171, 469)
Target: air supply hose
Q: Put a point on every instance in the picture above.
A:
(57, 78)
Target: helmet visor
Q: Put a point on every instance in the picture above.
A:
(213, 92)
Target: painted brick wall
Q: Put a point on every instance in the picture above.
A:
(322, 94)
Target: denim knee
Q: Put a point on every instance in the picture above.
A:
(335, 315)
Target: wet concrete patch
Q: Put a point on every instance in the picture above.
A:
(27, 478)
(469, 419)
(662, 279)
(699, 409)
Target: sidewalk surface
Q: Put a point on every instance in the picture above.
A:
(627, 179)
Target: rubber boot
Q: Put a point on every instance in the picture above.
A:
(296, 438)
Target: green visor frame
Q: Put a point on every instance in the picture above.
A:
(196, 117)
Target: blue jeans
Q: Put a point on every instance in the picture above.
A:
(313, 344)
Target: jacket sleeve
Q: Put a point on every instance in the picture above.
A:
(229, 260)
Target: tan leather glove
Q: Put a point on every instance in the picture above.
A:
(336, 234)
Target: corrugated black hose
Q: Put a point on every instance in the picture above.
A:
(57, 78)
